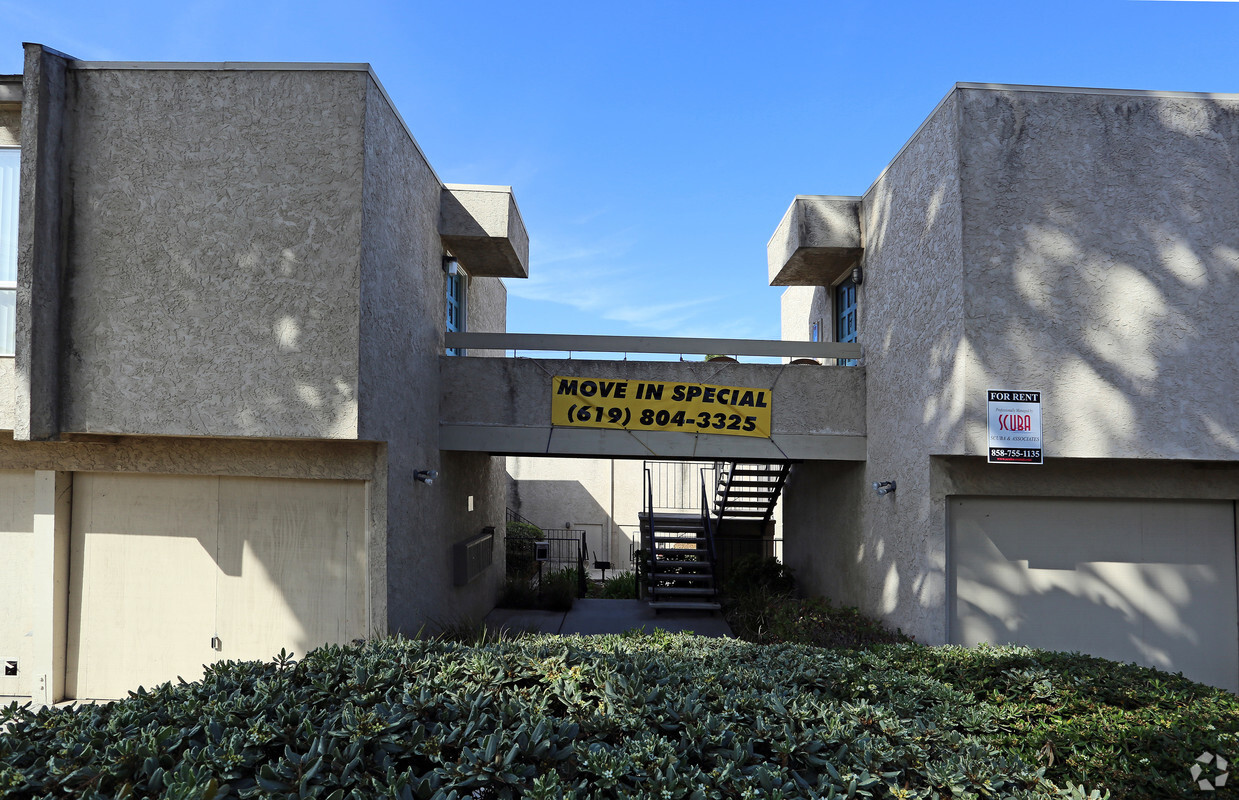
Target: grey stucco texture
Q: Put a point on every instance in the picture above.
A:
(1101, 266)
(214, 265)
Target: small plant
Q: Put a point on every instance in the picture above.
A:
(559, 589)
(520, 541)
(620, 587)
(759, 574)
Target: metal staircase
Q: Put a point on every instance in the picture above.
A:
(679, 555)
(747, 492)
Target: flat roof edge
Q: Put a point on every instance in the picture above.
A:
(226, 66)
(1027, 87)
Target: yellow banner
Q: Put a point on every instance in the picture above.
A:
(638, 405)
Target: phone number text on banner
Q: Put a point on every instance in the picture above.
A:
(638, 405)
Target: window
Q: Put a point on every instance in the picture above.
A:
(845, 317)
(457, 288)
(10, 160)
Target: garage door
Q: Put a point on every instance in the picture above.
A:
(16, 555)
(168, 573)
(1150, 581)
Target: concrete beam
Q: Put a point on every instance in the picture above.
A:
(584, 343)
(483, 228)
(817, 240)
(503, 406)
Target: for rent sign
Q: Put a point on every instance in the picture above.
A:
(1014, 427)
(639, 405)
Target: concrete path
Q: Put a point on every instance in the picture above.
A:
(594, 616)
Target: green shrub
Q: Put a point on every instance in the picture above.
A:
(763, 574)
(630, 716)
(622, 586)
(519, 544)
(769, 617)
(556, 591)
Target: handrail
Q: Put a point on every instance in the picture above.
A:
(469, 340)
(708, 525)
(648, 538)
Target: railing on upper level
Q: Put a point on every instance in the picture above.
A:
(572, 343)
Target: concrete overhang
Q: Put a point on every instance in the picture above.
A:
(483, 228)
(502, 406)
(817, 241)
(10, 91)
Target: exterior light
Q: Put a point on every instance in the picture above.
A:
(858, 275)
(884, 487)
(450, 265)
(426, 476)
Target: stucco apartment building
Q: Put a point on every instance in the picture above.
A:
(229, 423)
(223, 293)
(1080, 244)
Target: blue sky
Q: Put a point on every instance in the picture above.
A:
(653, 147)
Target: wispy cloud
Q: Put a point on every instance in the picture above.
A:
(605, 281)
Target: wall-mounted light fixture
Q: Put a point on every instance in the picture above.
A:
(884, 487)
(858, 275)
(450, 265)
(426, 476)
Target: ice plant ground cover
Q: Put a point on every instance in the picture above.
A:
(649, 716)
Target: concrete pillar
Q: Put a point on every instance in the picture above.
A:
(50, 577)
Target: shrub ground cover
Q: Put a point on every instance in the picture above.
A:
(649, 716)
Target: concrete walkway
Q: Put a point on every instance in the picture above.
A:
(594, 616)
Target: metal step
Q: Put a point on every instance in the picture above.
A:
(732, 501)
(683, 605)
(662, 537)
(746, 513)
(666, 562)
(681, 576)
(681, 551)
(685, 591)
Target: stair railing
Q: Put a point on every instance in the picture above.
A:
(724, 484)
(708, 525)
(647, 535)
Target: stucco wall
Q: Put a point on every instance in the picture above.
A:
(10, 127)
(486, 310)
(214, 262)
(403, 304)
(799, 308)
(8, 394)
(887, 554)
(607, 492)
(1101, 266)
(172, 456)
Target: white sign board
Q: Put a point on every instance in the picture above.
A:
(1014, 429)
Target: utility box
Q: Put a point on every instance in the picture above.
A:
(472, 557)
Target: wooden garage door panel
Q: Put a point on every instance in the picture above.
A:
(16, 554)
(292, 565)
(142, 581)
(1150, 581)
